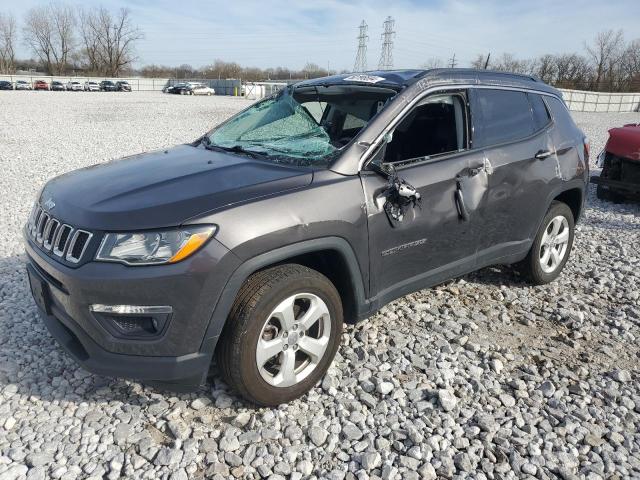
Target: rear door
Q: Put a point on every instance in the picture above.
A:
(512, 128)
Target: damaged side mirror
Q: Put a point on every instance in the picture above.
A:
(399, 196)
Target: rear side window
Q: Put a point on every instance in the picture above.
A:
(540, 114)
(563, 122)
(504, 116)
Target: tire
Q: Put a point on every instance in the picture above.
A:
(533, 266)
(254, 317)
(602, 193)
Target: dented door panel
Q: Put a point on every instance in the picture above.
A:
(432, 238)
(518, 188)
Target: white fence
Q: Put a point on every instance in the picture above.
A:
(581, 101)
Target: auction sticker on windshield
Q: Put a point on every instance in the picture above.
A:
(363, 78)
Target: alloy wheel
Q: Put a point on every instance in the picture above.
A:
(554, 244)
(293, 340)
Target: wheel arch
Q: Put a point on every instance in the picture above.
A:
(332, 256)
(574, 199)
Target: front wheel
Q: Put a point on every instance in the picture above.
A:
(282, 334)
(552, 245)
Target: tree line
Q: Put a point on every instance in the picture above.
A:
(608, 64)
(65, 39)
(223, 69)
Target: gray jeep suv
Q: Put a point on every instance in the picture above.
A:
(311, 208)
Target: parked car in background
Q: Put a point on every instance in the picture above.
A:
(311, 208)
(6, 85)
(57, 85)
(23, 85)
(174, 88)
(201, 89)
(183, 88)
(107, 86)
(74, 86)
(40, 85)
(620, 163)
(123, 86)
(91, 87)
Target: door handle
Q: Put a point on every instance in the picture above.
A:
(542, 154)
(462, 208)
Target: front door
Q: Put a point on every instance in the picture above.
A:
(436, 239)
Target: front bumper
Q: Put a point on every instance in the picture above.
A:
(179, 357)
(630, 188)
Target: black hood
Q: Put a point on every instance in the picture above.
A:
(164, 188)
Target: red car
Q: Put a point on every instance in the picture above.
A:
(40, 85)
(620, 163)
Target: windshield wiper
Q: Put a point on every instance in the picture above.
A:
(235, 149)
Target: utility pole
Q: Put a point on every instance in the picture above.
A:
(386, 54)
(486, 64)
(453, 61)
(361, 57)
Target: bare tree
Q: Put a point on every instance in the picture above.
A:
(108, 40)
(49, 31)
(8, 31)
(433, 62)
(89, 38)
(629, 67)
(604, 53)
(545, 68)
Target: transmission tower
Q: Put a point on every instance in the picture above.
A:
(386, 55)
(453, 62)
(361, 56)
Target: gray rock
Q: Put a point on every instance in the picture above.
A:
(448, 400)
(370, 460)
(318, 435)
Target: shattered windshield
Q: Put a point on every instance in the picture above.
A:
(305, 126)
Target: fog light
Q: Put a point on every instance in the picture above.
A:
(130, 309)
(132, 321)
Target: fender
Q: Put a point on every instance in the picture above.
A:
(573, 184)
(228, 295)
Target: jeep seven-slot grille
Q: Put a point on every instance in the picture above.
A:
(50, 234)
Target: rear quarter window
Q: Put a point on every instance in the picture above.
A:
(501, 116)
(541, 116)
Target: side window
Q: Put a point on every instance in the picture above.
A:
(541, 116)
(316, 109)
(563, 121)
(351, 122)
(505, 116)
(436, 126)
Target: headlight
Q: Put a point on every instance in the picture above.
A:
(153, 248)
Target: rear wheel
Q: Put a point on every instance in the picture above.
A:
(281, 335)
(551, 247)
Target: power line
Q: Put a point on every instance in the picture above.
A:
(361, 57)
(386, 54)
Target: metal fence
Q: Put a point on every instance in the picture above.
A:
(582, 101)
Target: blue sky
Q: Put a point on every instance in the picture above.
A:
(288, 33)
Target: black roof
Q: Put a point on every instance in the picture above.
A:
(403, 78)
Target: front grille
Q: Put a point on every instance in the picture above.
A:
(51, 235)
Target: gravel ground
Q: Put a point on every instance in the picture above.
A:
(481, 377)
